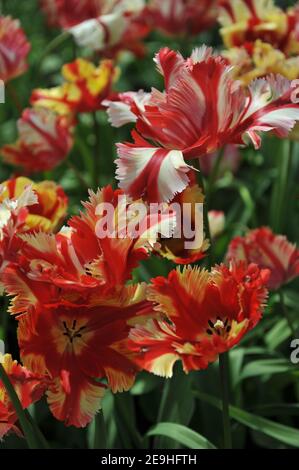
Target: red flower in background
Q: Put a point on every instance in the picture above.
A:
(275, 252)
(67, 13)
(202, 109)
(29, 388)
(45, 140)
(182, 17)
(202, 314)
(14, 49)
(216, 222)
(102, 25)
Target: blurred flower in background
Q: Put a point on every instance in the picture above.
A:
(244, 21)
(105, 26)
(84, 88)
(45, 139)
(217, 223)
(50, 208)
(67, 13)
(260, 38)
(260, 59)
(14, 49)
(182, 17)
(270, 251)
(27, 207)
(13, 215)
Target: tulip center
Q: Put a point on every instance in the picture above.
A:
(220, 327)
(72, 332)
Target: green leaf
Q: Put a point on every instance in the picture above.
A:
(100, 438)
(146, 383)
(126, 420)
(275, 409)
(31, 434)
(279, 333)
(236, 362)
(181, 434)
(281, 186)
(282, 433)
(177, 404)
(265, 367)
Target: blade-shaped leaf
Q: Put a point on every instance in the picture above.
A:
(282, 433)
(265, 367)
(181, 434)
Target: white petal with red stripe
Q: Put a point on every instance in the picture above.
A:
(156, 173)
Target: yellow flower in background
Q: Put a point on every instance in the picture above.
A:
(259, 60)
(260, 38)
(85, 87)
(51, 207)
(246, 20)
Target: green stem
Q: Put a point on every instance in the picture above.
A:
(25, 424)
(214, 174)
(281, 186)
(75, 49)
(100, 435)
(224, 379)
(56, 42)
(206, 218)
(14, 97)
(126, 421)
(39, 435)
(5, 318)
(166, 394)
(286, 313)
(78, 174)
(86, 154)
(97, 152)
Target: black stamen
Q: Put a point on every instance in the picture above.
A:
(82, 328)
